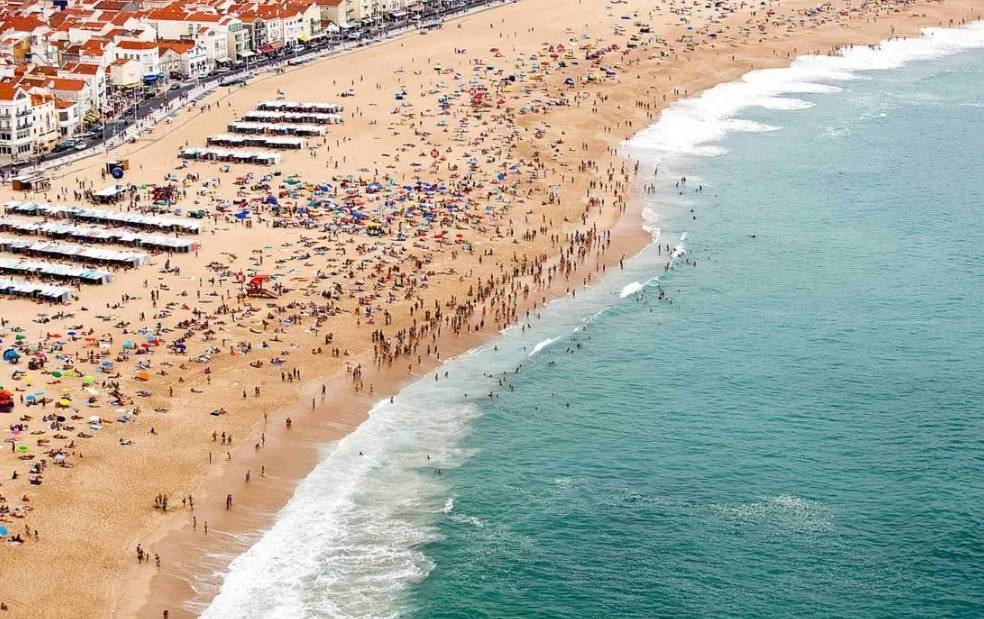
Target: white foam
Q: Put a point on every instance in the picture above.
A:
(693, 126)
(470, 520)
(345, 544)
(543, 344)
(630, 289)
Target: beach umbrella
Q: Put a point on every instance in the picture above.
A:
(143, 375)
(22, 448)
(11, 355)
(88, 379)
(3, 531)
(128, 344)
(56, 374)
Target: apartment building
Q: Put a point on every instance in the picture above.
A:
(44, 120)
(147, 53)
(16, 136)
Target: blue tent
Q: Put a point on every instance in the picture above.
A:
(11, 355)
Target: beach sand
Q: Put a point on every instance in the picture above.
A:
(90, 517)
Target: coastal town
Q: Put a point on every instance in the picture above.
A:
(190, 314)
(71, 72)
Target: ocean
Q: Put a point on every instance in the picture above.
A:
(787, 422)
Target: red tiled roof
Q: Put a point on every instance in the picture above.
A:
(84, 68)
(137, 45)
(21, 23)
(8, 91)
(93, 47)
(174, 12)
(179, 47)
(109, 5)
(66, 84)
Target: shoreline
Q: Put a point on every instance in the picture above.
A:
(321, 432)
(290, 456)
(627, 229)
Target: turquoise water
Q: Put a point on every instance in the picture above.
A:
(797, 430)
(801, 432)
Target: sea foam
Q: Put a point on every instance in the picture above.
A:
(345, 544)
(630, 289)
(693, 126)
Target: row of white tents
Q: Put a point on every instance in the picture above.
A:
(261, 141)
(233, 156)
(35, 290)
(275, 125)
(89, 275)
(281, 105)
(103, 216)
(95, 234)
(71, 251)
(275, 128)
(271, 116)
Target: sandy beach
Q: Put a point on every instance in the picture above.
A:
(479, 172)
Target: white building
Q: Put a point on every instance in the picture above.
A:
(144, 52)
(16, 139)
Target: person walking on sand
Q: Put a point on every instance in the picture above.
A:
(228, 502)
(289, 423)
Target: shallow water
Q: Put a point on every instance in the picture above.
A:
(796, 431)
